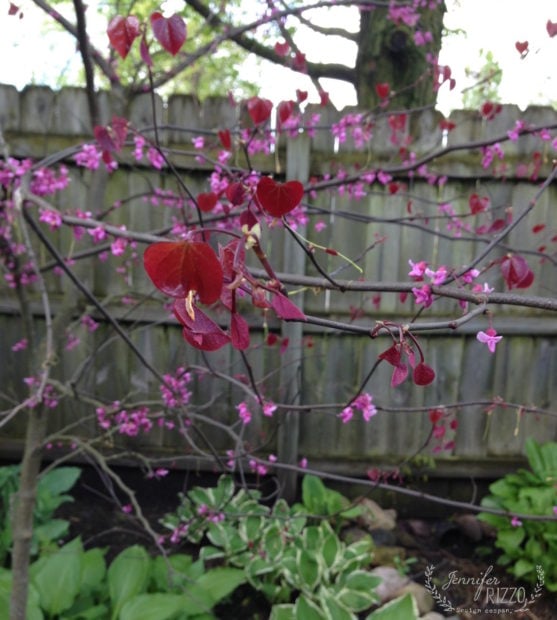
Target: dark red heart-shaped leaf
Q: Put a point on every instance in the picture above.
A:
(284, 110)
(551, 28)
(259, 109)
(516, 271)
(423, 374)
(239, 332)
(225, 139)
(122, 32)
(178, 267)
(200, 331)
(478, 204)
(207, 201)
(383, 90)
(282, 48)
(392, 355)
(278, 199)
(489, 110)
(522, 47)
(236, 193)
(112, 137)
(301, 95)
(170, 32)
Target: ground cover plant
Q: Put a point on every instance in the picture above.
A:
(214, 285)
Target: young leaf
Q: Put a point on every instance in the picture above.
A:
(239, 332)
(201, 331)
(423, 374)
(170, 32)
(122, 32)
(278, 199)
(207, 201)
(259, 109)
(285, 309)
(178, 267)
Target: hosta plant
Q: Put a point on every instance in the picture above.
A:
(528, 544)
(300, 565)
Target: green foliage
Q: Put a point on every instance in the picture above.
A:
(317, 499)
(528, 544)
(487, 82)
(73, 584)
(52, 491)
(303, 569)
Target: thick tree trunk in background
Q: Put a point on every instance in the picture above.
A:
(387, 53)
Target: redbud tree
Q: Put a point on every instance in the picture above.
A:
(212, 271)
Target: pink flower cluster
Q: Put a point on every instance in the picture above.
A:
(129, 423)
(175, 391)
(364, 403)
(49, 396)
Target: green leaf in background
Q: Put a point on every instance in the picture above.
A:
(33, 611)
(127, 576)
(400, 608)
(306, 609)
(158, 606)
(314, 494)
(212, 587)
(57, 577)
(283, 612)
(308, 569)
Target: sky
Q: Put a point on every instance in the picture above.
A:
(32, 54)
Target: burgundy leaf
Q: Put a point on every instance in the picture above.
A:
(122, 32)
(392, 355)
(400, 373)
(201, 331)
(239, 331)
(285, 309)
(259, 109)
(278, 199)
(170, 32)
(178, 267)
(423, 374)
(516, 272)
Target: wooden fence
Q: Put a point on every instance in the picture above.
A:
(320, 365)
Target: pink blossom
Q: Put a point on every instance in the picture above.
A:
(346, 415)
(155, 158)
(21, 345)
(437, 277)
(423, 296)
(516, 522)
(175, 392)
(98, 234)
(269, 408)
(89, 323)
(490, 338)
(485, 288)
(89, 157)
(50, 217)
(514, 133)
(72, 341)
(364, 402)
(198, 142)
(418, 270)
(139, 143)
(244, 413)
(319, 226)
(127, 508)
(303, 463)
(118, 247)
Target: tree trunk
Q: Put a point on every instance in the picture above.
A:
(387, 54)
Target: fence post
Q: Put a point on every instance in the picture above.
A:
(297, 168)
